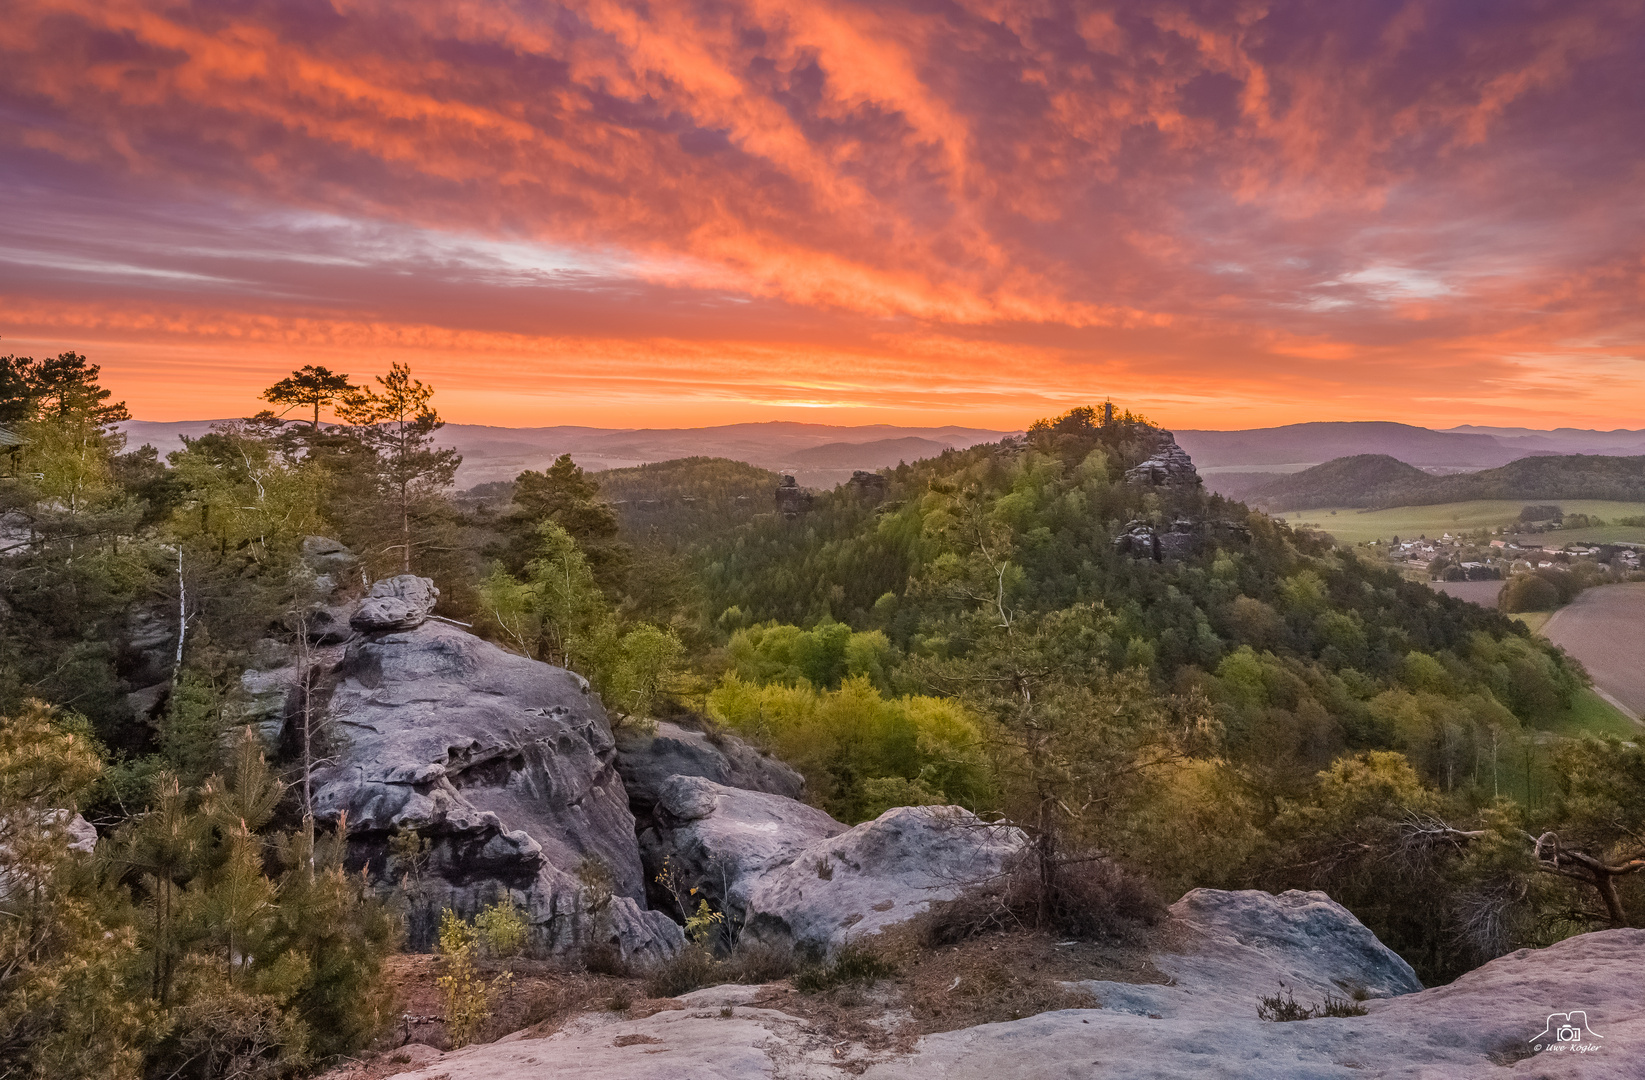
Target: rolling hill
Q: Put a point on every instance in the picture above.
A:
(1380, 480)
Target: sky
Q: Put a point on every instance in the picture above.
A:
(659, 213)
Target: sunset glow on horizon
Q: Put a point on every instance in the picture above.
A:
(621, 214)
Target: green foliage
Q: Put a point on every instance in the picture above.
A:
(400, 471)
(559, 613)
(843, 739)
(646, 665)
(502, 927)
(703, 923)
(569, 498)
(468, 996)
(68, 1006)
(821, 656)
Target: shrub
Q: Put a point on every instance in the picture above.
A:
(756, 963)
(851, 964)
(502, 927)
(1529, 592)
(693, 968)
(1090, 898)
(467, 996)
(696, 967)
(1281, 1009)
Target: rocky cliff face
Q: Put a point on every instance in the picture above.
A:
(505, 764)
(1169, 466)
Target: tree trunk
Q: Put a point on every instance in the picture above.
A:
(182, 619)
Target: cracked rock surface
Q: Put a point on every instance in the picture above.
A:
(1483, 1026)
(504, 763)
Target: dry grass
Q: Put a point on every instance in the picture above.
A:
(993, 976)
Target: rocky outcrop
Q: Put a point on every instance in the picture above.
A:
(503, 763)
(396, 603)
(791, 499)
(82, 835)
(880, 873)
(1169, 466)
(1246, 944)
(788, 873)
(1141, 540)
(870, 487)
(1487, 1025)
(725, 841)
(648, 759)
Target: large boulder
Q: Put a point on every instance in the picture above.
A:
(724, 841)
(397, 603)
(648, 759)
(504, 764)
(880, 873)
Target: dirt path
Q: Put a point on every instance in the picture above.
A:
(1605, 629)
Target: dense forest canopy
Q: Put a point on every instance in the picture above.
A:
(1040, 629)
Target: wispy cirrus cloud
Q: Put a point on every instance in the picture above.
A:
(1230, 213)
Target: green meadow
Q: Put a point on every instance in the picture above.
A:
(1352, 526)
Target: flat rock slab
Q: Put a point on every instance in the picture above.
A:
(1481, 1027)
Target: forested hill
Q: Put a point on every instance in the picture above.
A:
(1377, 480)
(1312, 701)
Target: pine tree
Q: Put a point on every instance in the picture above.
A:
(311, 387)
(398, 425)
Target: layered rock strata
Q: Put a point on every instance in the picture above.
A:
(504, 764)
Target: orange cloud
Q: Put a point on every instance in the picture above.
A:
(1252, 211)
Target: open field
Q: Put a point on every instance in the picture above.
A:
(1534, 620)
(1351, 526)
(1604, 627)
(1483, 593)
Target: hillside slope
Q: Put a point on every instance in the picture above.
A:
(1371, 481)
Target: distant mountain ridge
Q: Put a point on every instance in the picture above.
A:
(818, 455)
(1234, 463)
(1469, 447)
(1375, 481)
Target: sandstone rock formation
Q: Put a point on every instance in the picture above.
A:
(504, 763)
(648, 759)
(82, 835)
(792, 500)
(396, 603)
(725, 841)
(870, 487)
(788, 873)
(1484, 1026)
(1169, 466)
(877, 874)
(1141, 540)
